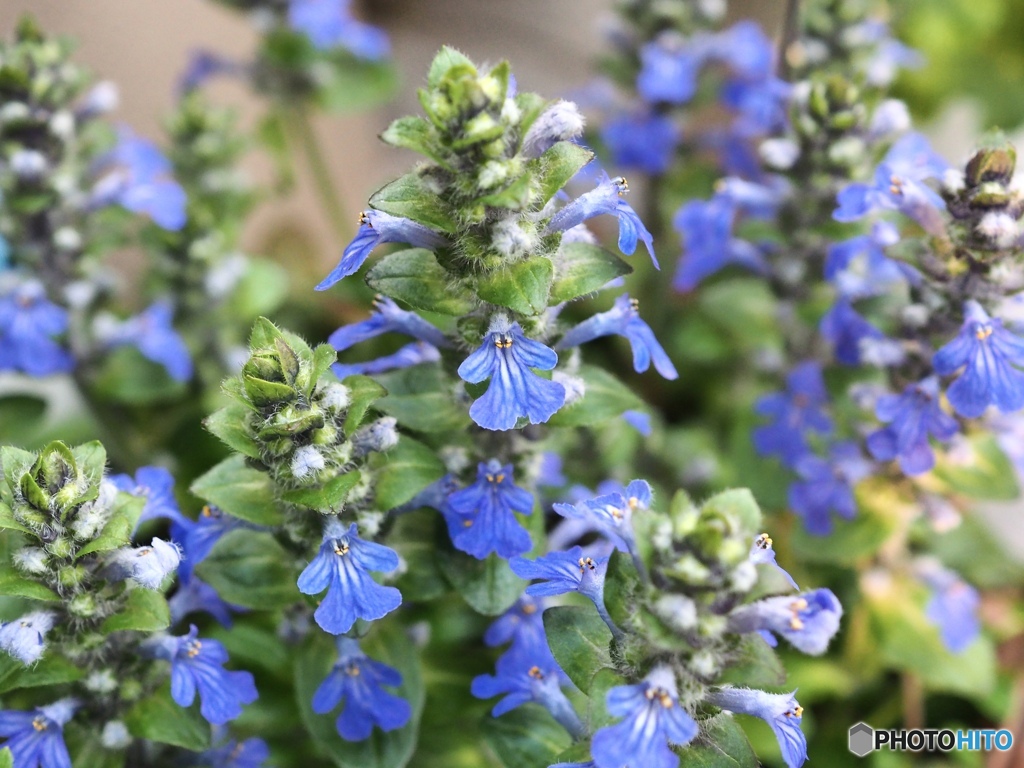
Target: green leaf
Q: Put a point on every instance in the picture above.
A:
(13, 584)
(430, 412)
(620, 586)
(19, 416)
(722, 744)
(579, 640)
(145, 611)
(262, 288)
(91, 459)
(445, 59)
(417, 536)
(410, 197)
(328, 497)
(125, 376)
(355, 85)
(516, 196)
(229, 424)
(15, 463)
(119, 528)
(559, 164)
(736, 504)
(50, 670)
(582, 268)
(240, 491)
(415, 277)
(393, 749)
(362, 393)
(989, 476)
(159, 719)
(523, 287)
(597, 711)
(6, 758)
(251, 569)
(754, 665)
(8, 522)
(604, 398)
(526, 737)
(489, 586)
(404, 471)
(415, 133)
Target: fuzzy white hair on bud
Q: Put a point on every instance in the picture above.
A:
(335, 397)
(999, 227)
(510, 239)
(561, 121)
(307, 461)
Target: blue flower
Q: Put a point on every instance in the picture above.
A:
(624, 320)
(28, 323)
(827, 486)
(653, 719)
(912, 417)
(481, 518)
(606, 198)
(201, 67)
(612, 513)
(522, 625)
(199, 664)
(746, 50)
(844, 328)
(897, 185)
(251, 753)
(953, 608)
(342, 567)
(376, 227)
(858, 267)
(387, 317)
(987, 352)
(523, 677)
(795, 412)
(152, 333)
(639, 421)
(149, 566)
(563, 572)
(669, 67)
(358, 682)
(196, 596)
(807, 621)
(761, 106)
(780, 710)
(706, 227)
(549, 471)
(411, 354)
(197, 537)
(24, 638)
(156, 486)
(642, 140)
(36, 740)
(761, 553)
(506, 357)
(329, 24)
(137, 176)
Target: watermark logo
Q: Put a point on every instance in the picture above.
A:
(863, 739)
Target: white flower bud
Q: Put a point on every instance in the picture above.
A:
(307, 461)
(115, 735)
(335, 397)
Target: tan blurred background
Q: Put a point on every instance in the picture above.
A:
(143, 45)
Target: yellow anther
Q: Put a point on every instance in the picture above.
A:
(364, 218)
(764, 541)
(797, 711)
(795, 623)
(634, 502)
(490, 478)
(467, 523)
(529, 609)
(983, 332)
(352, 670)
(622, 185)
(39, 724)
(340, 549)
(500, 478)
(635, 304)
(798, 605)
(666, 701)
(144, 551)
(535, 673)
(193, 648)
(207, 512)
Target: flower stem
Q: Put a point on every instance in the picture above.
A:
(617, 633)
(327, 188)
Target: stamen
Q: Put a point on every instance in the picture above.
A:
(535, 673)
(340, 548)
(796, 624)
(193, 648)
(39, 724)
(764, 541)
(352, 670)
(529, 609)
(983, 332)
(364, 218)
(500, 478)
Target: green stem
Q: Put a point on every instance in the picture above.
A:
(327, 188)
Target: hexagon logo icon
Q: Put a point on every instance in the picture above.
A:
(862, 739)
